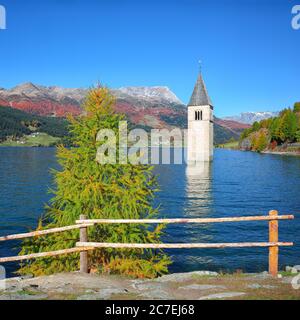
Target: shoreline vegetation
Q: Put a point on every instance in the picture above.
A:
(21, 129)
(37, 139)
(279, 135)
(288, 151)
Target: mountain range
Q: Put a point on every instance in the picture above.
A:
(148, 107)
(251, 117)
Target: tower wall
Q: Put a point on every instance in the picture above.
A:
(200, 134)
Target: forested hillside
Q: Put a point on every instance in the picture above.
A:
(273, 132)
(16, 123)
(145, 107)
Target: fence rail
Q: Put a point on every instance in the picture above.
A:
(83, 246)
(43, 232)
(181, 245)
(45, 254)
(182, 220)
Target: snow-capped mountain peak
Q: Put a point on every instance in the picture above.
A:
(251, 117)
(160, 93)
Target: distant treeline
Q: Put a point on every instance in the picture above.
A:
(275, 131)
(16, 123)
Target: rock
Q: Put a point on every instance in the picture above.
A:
(294, 271)
(297, 267)
(258, 286)
(23, 296)
(193, 285)
(287, 280)
(260, 276)
(267, 286)
(245, 144)
(107, 293)
(157, 295)
(254, 286)
(86, 297)
(288, 269)
(25, 277)
(279, 276)
(148, 286)
(90, 291)
(185, 276)
(201, 287)
(103, 294)
(222, 295)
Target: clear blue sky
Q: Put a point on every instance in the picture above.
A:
(250, 53)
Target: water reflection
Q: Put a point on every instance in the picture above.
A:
(198, 189)
(199, 200)
(196, 184)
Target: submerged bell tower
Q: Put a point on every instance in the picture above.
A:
(200, 124)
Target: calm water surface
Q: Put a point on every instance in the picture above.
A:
(236, 184)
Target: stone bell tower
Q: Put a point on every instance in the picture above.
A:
(200, 125)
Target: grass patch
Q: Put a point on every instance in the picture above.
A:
(229, 145)
(27, 292)
(33, 140)
(287, 274)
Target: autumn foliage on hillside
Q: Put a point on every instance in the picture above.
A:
(44, 108)
(277, 131)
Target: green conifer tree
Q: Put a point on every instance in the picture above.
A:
(297, 107)
(274, 129)
(288, 126)
(261, 141)
(115, 191)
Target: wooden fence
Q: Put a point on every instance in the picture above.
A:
(83, 246)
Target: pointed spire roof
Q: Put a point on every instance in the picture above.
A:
(200, 95)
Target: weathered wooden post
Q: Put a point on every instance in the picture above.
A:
(273, 251)
(83, 254)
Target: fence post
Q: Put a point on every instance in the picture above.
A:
(83, 254)
(273, 251)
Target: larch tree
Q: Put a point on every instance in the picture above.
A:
(99, 191)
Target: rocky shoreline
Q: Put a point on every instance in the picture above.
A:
(199, 285)
(282, 153)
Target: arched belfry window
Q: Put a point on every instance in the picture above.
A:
(198, 115)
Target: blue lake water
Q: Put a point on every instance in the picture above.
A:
(235, 184)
